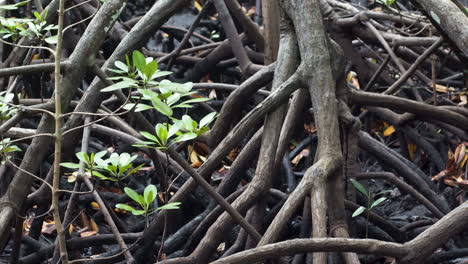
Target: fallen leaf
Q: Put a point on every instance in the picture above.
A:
(389, 131)
(444, 89)
(72, 177)
(196, 164)
(88, 233)
(463, 99)
(310, 128)
(411, 150)
(233, 154)
(212, 94)
(221, 247)
(92, 225)
(48, 227)
(198, 6)
(304, 153)
(94, 205)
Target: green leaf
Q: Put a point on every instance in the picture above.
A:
(378, 201)
(114, 159)
(161, 107)
(51, 39)
(360, 187)
(182, 106)
(139, 60)
(207, 119)
(120, 85)
(8, 7)
(383, 192)
(359, 211)
(139, 212)
(102, 176)
(150, 136)
(169, 206)
(122, 66)
(138, 108)
(176, 87)
(173, 98)
(150, 194)
(185, 137)
(162, 133)
(196, 100)
(70, 165)
(134, 196)
(175, 128)
(100, 154)
(37, 15)
(23, 3)
(150, 69)
(134, 170)
(160, 74)
(188, 123)
(125, 207)
(83, 156)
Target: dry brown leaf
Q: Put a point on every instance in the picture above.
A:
(460, 153)
(310, 128)
(193, 154)
(304, 153)
(444, 89)
(92, 225)
(233, 154)
(196, 164)
(48, 227)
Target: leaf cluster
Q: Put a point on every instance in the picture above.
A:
(7, 148)
(145, 201)
(372, 203)
(15, 28)
(6, 110)
(141, 73)
(181, 130)
(116, 168)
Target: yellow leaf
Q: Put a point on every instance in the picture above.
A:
(117, 210)
(94, 205)
(389, 130)
(463, 162)
(198, 6)
(411, 150)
